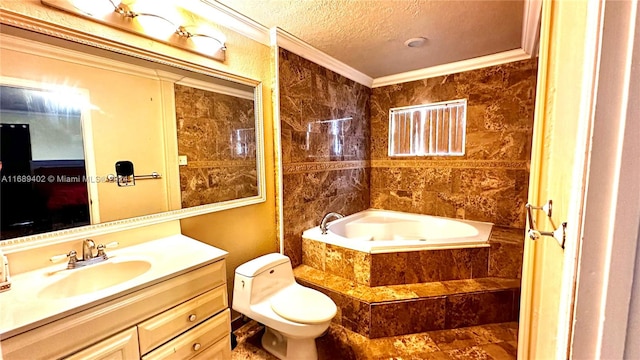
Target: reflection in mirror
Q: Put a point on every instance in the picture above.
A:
(223, 167)
(134, 110)
(42, 162)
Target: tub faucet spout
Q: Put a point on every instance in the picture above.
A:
(325, 220)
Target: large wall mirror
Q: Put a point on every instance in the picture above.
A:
(70, 112)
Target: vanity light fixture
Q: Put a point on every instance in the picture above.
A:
(123, 15)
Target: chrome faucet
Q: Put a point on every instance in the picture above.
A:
(88, 257)
(325, 219)
(87, 249)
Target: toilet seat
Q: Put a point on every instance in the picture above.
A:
(303, 305)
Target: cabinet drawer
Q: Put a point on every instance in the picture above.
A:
(195, 340)
(217, 351)
(177, 320)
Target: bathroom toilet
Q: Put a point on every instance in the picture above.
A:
(265, 290)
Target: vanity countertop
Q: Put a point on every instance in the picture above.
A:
(24, 307)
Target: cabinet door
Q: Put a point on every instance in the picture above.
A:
(122, 346)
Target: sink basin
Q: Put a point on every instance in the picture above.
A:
(93, 278)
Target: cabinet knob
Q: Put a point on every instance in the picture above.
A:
(192, 317)
(196, 346)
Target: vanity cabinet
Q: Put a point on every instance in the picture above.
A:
(182, 317)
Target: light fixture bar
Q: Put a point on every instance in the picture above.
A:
(122, 18)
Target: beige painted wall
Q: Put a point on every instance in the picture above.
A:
(245, 232)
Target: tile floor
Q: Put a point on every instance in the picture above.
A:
(491, 342)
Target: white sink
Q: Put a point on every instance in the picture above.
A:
(93, 278)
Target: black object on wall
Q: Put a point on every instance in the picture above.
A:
(16, 195)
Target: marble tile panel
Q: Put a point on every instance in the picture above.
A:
(310, 95)
(515, 309)
(390, 319)
(407, 317)
(293, 248)
(362, 267)
(501, 351)
(505, 260)
(494, 333)
(307, 197)
(339, 261)
(471, 285)
(312, 276)
(203, 114)
(340, 343)
(206, 185)
(356, 316)
(313, 253)
(507, 234)
(480, 308)
(427, 314)
(470, 353)
(381, 294)
(388, 268)
(454, 339)
(505, 283)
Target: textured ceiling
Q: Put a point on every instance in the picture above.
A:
(369, 35)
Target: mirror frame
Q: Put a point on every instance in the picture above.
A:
(9, 246)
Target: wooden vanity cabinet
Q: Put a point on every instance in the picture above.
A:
(183, 317)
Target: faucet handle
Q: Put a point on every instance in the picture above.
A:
(101, 248)
(71, 255)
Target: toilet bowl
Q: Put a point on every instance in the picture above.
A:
(265, 290)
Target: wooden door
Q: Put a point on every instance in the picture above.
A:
(569, 46)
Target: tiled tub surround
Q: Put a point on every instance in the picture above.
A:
(217, 134)
(324, 121)
(488, 183)
(503, 258)
(398, 268)
(390, 294)
(405, 309)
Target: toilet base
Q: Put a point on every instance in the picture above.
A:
(288, 349)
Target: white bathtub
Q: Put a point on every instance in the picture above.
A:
(383, 231)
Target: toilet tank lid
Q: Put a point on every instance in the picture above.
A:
(260, 264)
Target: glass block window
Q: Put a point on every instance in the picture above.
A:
(426, 130)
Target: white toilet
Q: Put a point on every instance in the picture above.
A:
(265, 290)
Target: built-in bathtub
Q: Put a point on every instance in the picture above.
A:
(392, 273)
(383, 231)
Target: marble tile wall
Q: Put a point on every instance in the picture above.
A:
(488, 183)
(334, 151)
(324, 119)
(217, 134)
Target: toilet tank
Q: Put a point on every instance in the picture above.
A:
(260, 278)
